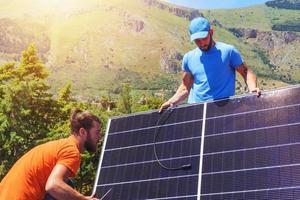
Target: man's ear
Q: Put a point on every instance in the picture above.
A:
(211, 32)
(82, 132)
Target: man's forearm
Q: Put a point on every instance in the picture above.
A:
(60, 190)
(181, 94)
(248, 76)
(251, 80)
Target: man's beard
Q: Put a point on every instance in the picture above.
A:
(89, 146)
(206, 48)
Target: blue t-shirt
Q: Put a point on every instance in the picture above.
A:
(213, 72)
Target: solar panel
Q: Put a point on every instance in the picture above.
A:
(240, 148)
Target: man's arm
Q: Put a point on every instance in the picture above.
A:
(181, 93)
(249, 78)
(57, 187)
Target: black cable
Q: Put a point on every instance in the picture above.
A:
(165, 115)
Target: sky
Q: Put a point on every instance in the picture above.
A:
(216, 4)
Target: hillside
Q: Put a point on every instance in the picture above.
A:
(285, 4)
(98, 44)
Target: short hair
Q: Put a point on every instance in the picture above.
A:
(82, 119)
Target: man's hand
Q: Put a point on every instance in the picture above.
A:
(257, 91)
(166, 105)
(92, 198)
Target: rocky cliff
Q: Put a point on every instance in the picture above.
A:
(180, 12)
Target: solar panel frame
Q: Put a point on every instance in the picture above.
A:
(226, 178)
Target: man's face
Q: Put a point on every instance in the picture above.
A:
(93, 137)
(204, 44)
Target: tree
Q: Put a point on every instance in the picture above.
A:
(65, 101)
(107, 103)
(27, 109)
(125, 100)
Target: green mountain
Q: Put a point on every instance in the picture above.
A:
(99, 44)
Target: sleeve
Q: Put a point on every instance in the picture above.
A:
(185, 66)
(235, 58)
(69, 156)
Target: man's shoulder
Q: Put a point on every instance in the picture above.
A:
(70, 142)
(57, 142)
(68, 150)
(224, 46)
(60, 144)
(192, 52)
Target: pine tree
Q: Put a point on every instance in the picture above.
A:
(27, 109)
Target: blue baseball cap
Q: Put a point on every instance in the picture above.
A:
(199, 28)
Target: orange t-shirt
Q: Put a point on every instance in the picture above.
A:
(27, 179)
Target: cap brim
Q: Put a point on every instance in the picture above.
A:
(199, 35)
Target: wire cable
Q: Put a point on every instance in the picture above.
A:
(165, 115)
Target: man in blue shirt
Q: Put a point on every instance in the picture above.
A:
(209, 70)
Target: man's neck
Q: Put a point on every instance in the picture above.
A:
(211, 44)
(78, 142)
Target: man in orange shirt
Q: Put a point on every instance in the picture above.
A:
(47, 167)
